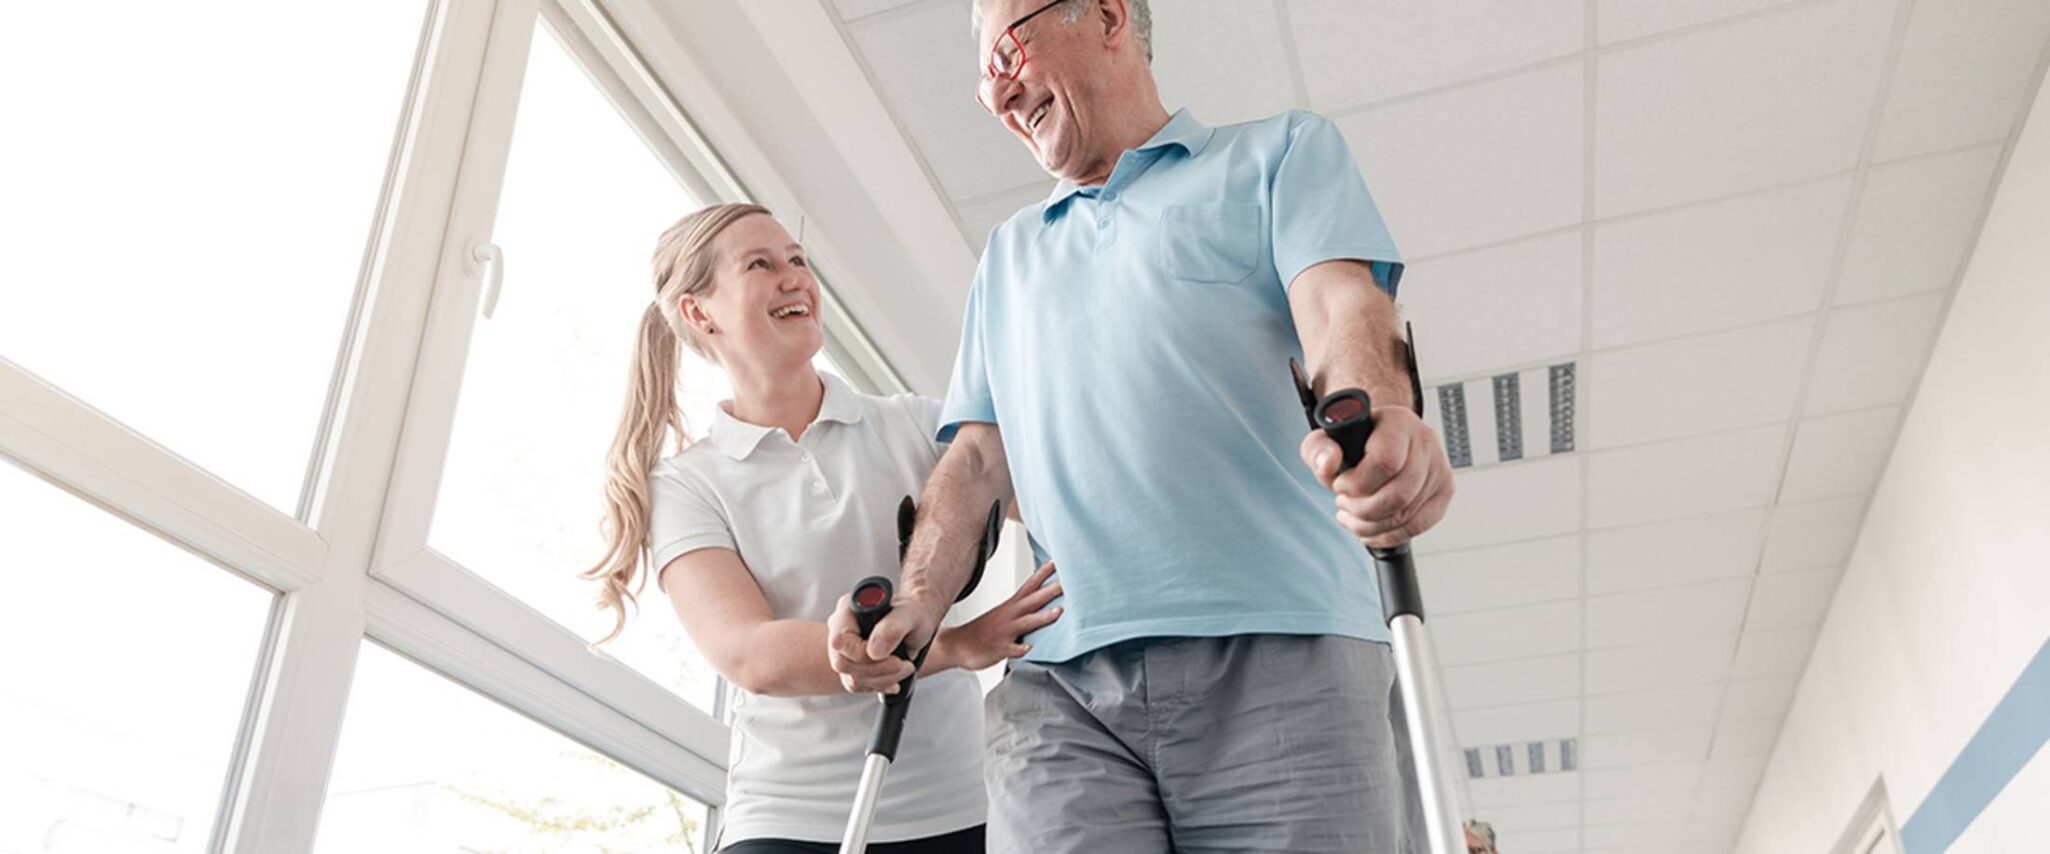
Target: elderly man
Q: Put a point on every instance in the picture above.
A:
(1220, 680)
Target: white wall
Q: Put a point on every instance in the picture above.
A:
(1947, 596)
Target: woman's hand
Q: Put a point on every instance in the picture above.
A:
(996, 635)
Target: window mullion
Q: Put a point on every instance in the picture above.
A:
(108, 463)
(299, 719)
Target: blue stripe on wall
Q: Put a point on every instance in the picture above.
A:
(2011, 735)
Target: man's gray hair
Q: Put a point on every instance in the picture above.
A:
(1142, 20)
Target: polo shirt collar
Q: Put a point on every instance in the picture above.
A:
(841, 404)
(739, 439)
(1181, 130)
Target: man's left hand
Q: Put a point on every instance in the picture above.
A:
(1401, 486)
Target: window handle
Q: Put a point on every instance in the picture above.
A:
(492, 259)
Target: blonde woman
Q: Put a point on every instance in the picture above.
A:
(756, 531)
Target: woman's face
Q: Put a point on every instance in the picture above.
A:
(764, 302)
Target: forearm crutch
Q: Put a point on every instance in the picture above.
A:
(871, 598)
(1347, 417)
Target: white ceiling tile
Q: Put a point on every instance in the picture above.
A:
(980, 216)
(1629, 19)
(1354, 51)
(1668, 480)
(1673, 273)
(1516, 724)
(1709, 838)
(1745, 738)
(1767, 101)
(1817, 534)
(1222, 59)
(1561, 841)
(1677, 778)
(1741, 773)
(1722, 804)
(1627, 749)
(1667, 613)
(1987, 48)
(1758, 699)
(1500, 576)
(1776, 652)
(1697, 385)
(852, 9)
(1518, 820)
(1791, 600)
(1504, 683)
(1915, 224)
(1839, 454)
(1493, 308)
(1713, 835)
(923, 62)
(1662, 709)
(1629, 810)
(1445, 181)
(1494, 792)
(1667, 665)
(1871, 355)
(1663, 554)
(1636, 837)
(1507, 503)
(1518, 632)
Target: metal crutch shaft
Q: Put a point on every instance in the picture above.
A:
(871, 602)
(1347, 417)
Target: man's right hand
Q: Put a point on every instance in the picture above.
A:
(1402, 485)
(871, 666)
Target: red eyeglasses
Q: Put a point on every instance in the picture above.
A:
(1006, 58)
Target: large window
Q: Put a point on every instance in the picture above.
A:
(521, 495)
(129, 666)
(425, 765)
(189, 191)
(522, 492)
(263, 457)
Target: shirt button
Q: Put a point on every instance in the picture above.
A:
(818, 485)
(1103, 223)
(1110, 196)
(804, 455)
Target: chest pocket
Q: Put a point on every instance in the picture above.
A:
(1210, 242)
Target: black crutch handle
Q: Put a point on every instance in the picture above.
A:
(1347, 416)
(871, 602)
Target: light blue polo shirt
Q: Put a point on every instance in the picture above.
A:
(1131, 342)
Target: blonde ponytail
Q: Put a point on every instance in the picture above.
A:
(683, 262)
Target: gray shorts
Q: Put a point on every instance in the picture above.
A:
(1248, 743)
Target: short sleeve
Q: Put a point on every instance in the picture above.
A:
(1321, 208)
(968, 394)
(924, 413)
(682, 518)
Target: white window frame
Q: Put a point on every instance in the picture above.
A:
(353, 562)
(1872, 829)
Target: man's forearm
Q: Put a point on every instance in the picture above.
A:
(1351, 333)
(952, 513)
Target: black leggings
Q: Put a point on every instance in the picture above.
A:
(959, 842)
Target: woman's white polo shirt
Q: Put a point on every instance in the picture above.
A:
(810, 518)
